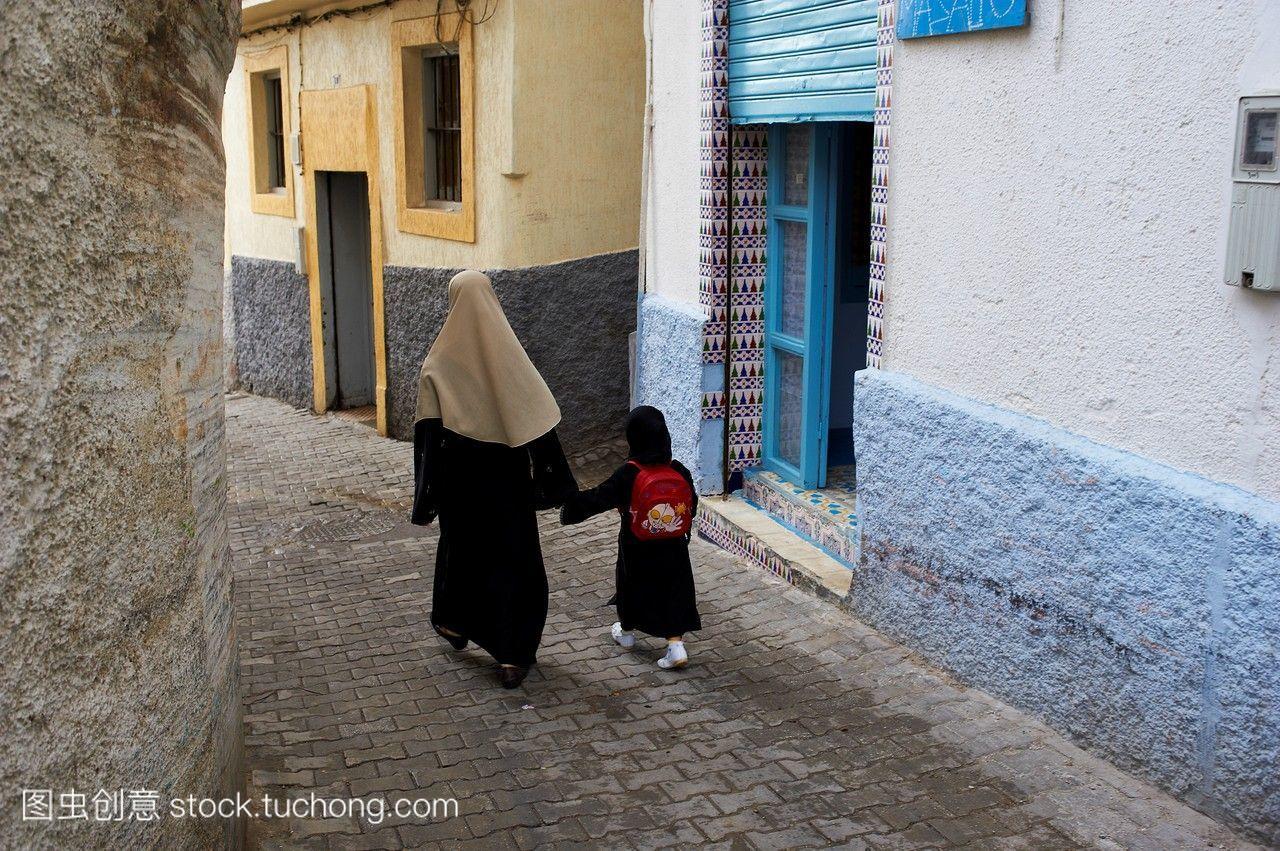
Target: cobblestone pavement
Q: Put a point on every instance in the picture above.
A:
(795, 725)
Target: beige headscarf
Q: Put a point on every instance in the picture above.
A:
(477, 377)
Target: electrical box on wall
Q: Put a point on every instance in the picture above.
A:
(1253, 236)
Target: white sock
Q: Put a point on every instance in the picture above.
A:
(677, 656)
(625, 639)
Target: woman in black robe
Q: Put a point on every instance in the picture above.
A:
(486, 457)
(654, 579)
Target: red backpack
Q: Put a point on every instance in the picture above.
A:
(661, 500)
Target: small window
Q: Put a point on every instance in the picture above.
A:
(442, 120)
(435, 135)
(274, 130)
(267, 112)
(1260, 134)
(433, 126)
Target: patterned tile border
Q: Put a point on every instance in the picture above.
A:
(728, 537)
(749, 240)
(713, 208)
(827, 517)
(736, 306)
(880, 180)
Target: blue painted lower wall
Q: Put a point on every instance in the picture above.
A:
(670, 376)
(1132, 606)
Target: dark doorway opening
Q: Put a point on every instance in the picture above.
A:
(346, 289)
(852, 212)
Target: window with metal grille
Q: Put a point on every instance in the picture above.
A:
(275, 131)
(442, 127)
(266, 81)
(435, 133)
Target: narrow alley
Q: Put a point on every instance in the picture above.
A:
(794, 726)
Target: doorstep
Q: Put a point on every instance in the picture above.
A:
(826, 517)
(744, 530)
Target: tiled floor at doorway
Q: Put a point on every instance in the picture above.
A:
(365, 416)
(826, 517)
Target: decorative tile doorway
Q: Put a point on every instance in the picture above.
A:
(827, 517)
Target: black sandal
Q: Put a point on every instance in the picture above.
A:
(511, 675)
(459, 642)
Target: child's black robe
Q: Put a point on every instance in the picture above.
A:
(490, 583)
(654, 579)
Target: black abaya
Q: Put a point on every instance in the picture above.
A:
(655, 592)
(490, 583)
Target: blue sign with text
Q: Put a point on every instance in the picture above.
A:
(921, 18)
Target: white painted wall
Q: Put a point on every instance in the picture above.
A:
(1058, 212)
(671, 214)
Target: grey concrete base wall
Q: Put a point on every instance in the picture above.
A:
(1132, 606)
(573, 318)
(669, 375)
(271, 306)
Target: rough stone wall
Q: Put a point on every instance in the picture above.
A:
(119, 665)
(669, 377)
(272, 314)
(1131, 605)
(573, 318)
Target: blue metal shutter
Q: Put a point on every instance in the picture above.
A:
(802, 60)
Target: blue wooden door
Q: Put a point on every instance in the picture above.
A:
(800, 273)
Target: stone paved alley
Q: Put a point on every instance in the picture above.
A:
(794, 726)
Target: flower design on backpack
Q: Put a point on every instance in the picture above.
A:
(665, 518)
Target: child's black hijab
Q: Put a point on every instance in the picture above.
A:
(648, 440)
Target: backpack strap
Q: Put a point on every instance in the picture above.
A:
(630, 463)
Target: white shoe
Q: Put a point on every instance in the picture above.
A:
(677, 656)
(626, 640)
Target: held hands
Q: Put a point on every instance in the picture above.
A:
(571, 514)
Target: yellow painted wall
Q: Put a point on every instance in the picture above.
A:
(251, 234)
(569, 126)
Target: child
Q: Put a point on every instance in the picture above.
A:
(656, 499)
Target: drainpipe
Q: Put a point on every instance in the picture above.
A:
(642, 240)
(646, 147)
